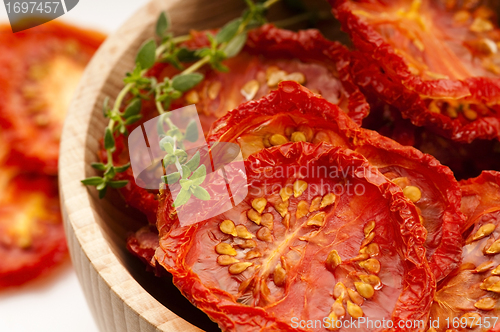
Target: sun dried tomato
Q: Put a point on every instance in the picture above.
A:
(143, 244)
(470, 294)
(305, 244)
(40, 70)
(32, 236)
(270, 55)
(292, 113)
(436, 61)
(466, 160)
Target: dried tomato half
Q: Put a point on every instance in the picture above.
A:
(292, 113)
(436, 61)
(321, 235)
(40, 70)
(468, 298)
(270, 56)
(466, 160)
(32, 236)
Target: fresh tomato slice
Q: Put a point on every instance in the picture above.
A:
(270, 55)
(41, 68)
(302, 246)
(467, 299)
(436, 61)
(32, 236)
(293, 113)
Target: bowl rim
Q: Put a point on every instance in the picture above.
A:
(117, 301)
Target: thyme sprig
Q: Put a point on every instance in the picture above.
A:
(227, 43)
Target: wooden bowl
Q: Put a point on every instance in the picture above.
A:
(121, 294)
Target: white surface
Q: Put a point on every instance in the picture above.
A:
(56, 302)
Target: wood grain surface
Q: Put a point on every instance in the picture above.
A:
(95, 228)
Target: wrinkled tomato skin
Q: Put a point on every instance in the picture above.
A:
(386, 60)
(187, 252)
(465, 160)
(40, 70)
(440, 202)
(143, 244)
(47, 243)
(323, 63)
(266, 46)
(470, 289)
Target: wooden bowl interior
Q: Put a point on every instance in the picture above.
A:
(105, 79)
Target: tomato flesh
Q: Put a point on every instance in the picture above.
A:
(435, 61)
(292, 109)
(41, 68)
(468, 297)
(32, 235)
(284, 265)
(270, 56)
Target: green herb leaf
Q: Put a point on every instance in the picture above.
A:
(199, 175)
(235, 45)
(169, 160)
(118, 184)
(122, 129)
(133, 119)
(194, 162)
(185, 183)
(133, 108)
(147, 54)
(98, 166)
(192, 131)
(186, 172)
(186, 82)
(186, 55)
(201, 193)
(92, 181)
(109, 140)
(110, 173)
(105, 109)
(123, 168)
(102, 192)
(228, 31)
(101, 185)
(182, 198)
(159, 125)
(173, 60)
(168, 147)
(162, 25)
(171, 178)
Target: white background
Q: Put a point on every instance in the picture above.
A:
(56, 303)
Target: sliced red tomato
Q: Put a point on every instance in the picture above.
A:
(40, 70)
(436, 61)
(270, 56)
(468, 299)
(304, 245)
(32, 236)
(293, 113)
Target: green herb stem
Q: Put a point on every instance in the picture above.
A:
(197, 65)
(119, 99)
(226, 44)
